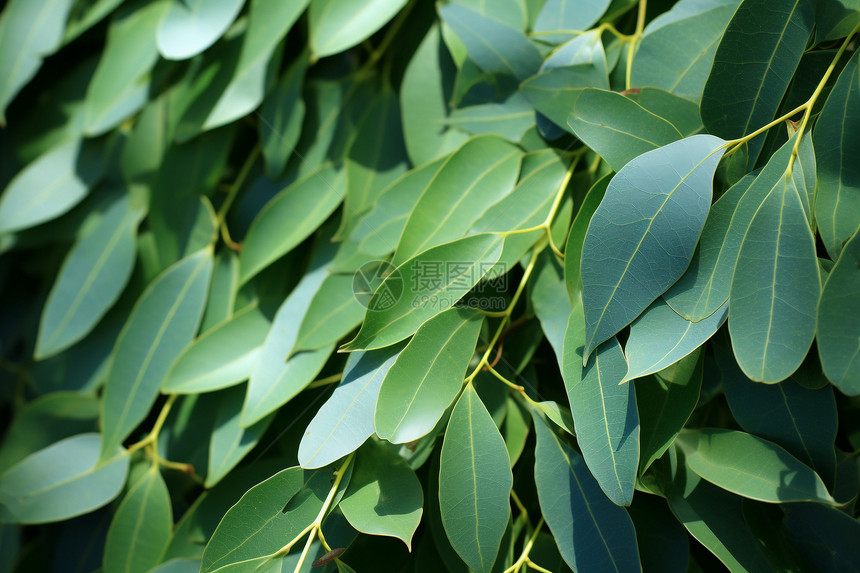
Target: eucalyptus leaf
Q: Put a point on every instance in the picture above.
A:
(655, 207)
(162, 324)
(337, 25)
(474, 482)
(141, 527)
(189, 27)
(427, 376)
(63, 480)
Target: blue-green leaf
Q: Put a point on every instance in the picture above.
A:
(763, 44)
(345, 421)
(29, 31)
(337, 25)
(604, 411)
(659, 337)
(750, 466)
(230, 441)
(592, 533)
(141, 527)
(191, 26)
(61, 481)
(50, 186)
(650, 218)
(279, 374)
(281, 117)
(837, 143)
(677, 48)
(162, 324)
(775, 288)
(566, 15)
(384, 496)
(91, 279)
(827, 538)
(475, 483)
(838, 330)
(495, 47)
(801, 420)
(427, 376)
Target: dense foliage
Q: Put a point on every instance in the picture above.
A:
(390, 285)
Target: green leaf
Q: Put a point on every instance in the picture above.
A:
(554, 92)
(802, 421)
(29, 31)
(659, 337)
(51, 185)
(706, 284)
(337, 25)
(265, 519)
(716, 519)
(191, 26)
(427, 376)
(549, 298)
(384, 496)
(804, 175)
(162, 324)
(592, 533)
(85, 15)
(333, 312)
(280, 374)
(493, 46)
(289, 218)
(90, 280)
(654, 210)
(234, 82)
(837, 207)
(61, 481)
(475, 483)
(120, 86)
(618, 128)
(837, 333)
(665, 400)
(750, 466)
(516, 429)
(45, 420)
(281, 117)
(424, 286)
(824, 536)
(568, 15)
(604, 411)
(345, 421)
(230, 441)
(527, 206)
(376, 158)
(478, 174)
(510, 118)
(377, 233)
(423, 102)
(775, 288)
(141, 527)
(222, 294)
(677, 49)
(510, 12)
(576, 238)
(763, 44)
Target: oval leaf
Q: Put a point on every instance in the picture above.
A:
(838, 331)
(475, 483)
(653, 211)
(162, 324)
(384, 496)
(345, 421)
(427, 376)
(592, 533)
(61, 481)
(141, 527)
(750, 466)
(337, 25)
(775, 288)
(191, 26)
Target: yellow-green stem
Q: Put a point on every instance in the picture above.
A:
(640, 26)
